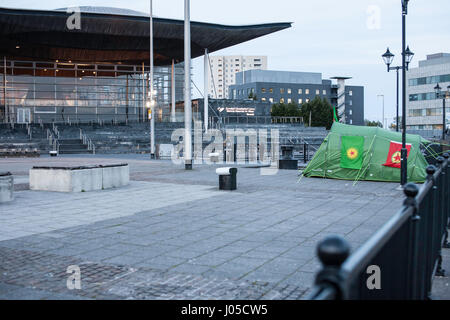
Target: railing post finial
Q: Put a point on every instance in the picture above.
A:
(332, 252)
(440, 160)
(431, 170)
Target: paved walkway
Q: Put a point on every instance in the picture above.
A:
(171, 234)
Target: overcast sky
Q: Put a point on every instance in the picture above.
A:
(336, 38)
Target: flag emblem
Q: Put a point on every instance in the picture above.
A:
(352, 153)
(394, 158)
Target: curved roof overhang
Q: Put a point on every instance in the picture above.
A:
(114, 38)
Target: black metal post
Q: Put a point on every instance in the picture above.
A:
(443, 118)
(404, 152)
(397, 122)
(446, 221)
(332, 252)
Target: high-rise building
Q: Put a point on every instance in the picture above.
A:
(224, 69)
(424, 108)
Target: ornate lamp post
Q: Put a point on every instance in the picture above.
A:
(407, 56)
(442, 95)
(388, 58)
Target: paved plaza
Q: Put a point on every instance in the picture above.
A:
(171, 234)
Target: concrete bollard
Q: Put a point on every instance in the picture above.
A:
(6, 187)
(227, 178)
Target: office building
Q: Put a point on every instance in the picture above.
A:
(300, 87)
(424, 109)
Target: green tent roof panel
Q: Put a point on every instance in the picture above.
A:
(367, 153)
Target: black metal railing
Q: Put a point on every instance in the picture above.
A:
(400, 260)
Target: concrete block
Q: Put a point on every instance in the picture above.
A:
(80, 179)
(6, 187)
(59, 180)
(86, 180)
(115, 177)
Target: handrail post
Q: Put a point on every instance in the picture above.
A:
(441, 162)
(411, 191)
(447, 199)
(332, 252)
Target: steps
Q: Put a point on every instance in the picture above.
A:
(72, 146)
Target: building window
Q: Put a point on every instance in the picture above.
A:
(307, 100)
(306, 91)
(289, 91)
(324, 92)
(317, 92)
(350, 93)
(271, 100)
(300, 91)
(350, 112)
(282, 90)
(300, 101)
(289, 100)
(282, 100)
(271, 90)
(263, 99)
(350, 102)
(263, 90)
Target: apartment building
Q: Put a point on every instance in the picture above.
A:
(223, 70)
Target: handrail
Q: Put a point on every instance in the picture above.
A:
(414, 235)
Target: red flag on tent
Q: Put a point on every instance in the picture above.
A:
(394, 157)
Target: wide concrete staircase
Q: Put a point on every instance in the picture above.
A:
(135, 137)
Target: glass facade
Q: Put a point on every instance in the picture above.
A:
(429, 80)
(422, 96)
(71, 92)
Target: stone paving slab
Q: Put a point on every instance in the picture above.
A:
(172, 226)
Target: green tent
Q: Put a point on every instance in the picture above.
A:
(367, 153)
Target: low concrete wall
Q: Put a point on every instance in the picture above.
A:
(6, 187)
(80, 179)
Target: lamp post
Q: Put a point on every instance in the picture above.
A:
(388, 58)
(442, 95)
(151, 103)
(382, 119)
(407, 56)
(187, 88)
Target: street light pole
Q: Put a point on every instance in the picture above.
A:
(152, 102)
(397, 119)
(443, 95)
(382, 120)
(187, 88)
(404, 152)
(407, 56)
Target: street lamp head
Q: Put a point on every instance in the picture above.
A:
(408, 55)
(437, 90)
(388, 57)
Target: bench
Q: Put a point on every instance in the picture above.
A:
(6, 187)
(227, 178)
(79, 179)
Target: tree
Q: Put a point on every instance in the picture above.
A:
(285, 110)
(370, 123)
(321, 112)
